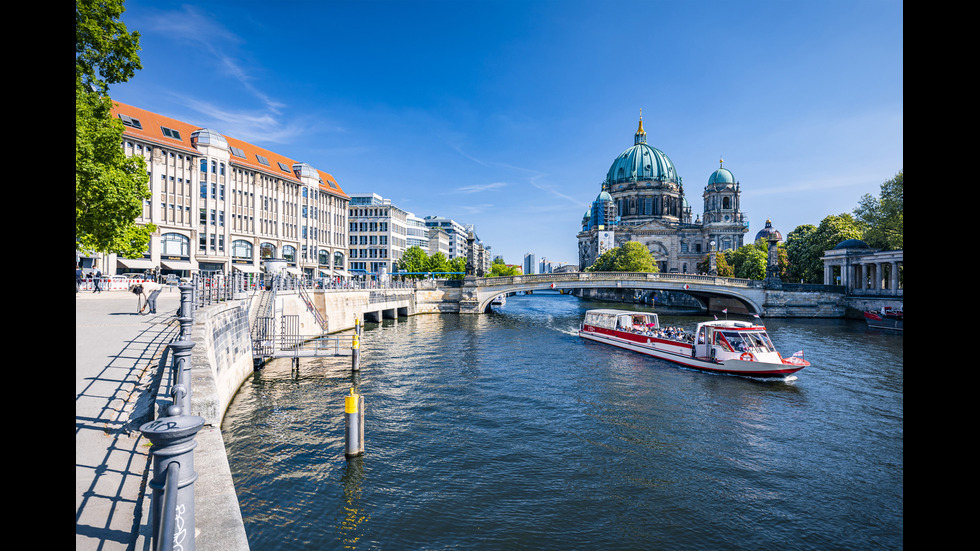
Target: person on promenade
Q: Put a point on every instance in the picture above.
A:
(152, 290)
(97, 279)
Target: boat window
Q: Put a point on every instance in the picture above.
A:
(749, 341)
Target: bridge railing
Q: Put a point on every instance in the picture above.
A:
(617, 276)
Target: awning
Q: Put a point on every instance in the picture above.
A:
(136, 263)
(247, 268)
(294, 271)
(176, 265)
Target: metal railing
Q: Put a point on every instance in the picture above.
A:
(172, 436)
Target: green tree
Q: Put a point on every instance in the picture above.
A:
(722, 268)
(414, 260)
(799, 265)
(457, 264)
(882, 217)
(110, 188)
(502, 270)
(630, 257)
(806, 245)
(749, 261)
(438, 263)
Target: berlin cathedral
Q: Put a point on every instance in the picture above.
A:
(642, 199)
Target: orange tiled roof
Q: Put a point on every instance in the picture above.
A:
(151, 130)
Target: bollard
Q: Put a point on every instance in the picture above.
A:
(354, 421)
(355, 356)
(172, 507)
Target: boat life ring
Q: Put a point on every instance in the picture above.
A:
(747, 357)
(552, 285)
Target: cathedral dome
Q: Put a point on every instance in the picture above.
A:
(721, 176)
(641, 162)
(852, 244)
(769, 233)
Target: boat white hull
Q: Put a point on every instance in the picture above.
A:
(681, 354)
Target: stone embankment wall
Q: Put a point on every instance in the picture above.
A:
(221, 359)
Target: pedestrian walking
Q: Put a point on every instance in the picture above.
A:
(97, 275)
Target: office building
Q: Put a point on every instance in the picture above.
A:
(221, 204)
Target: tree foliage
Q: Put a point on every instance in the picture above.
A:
(418, 264)
(882, 218)
(110, 188)
(500, 269)
(630, 257)
(805, 246)
(105, 51)
(749, 261)
(722, 268)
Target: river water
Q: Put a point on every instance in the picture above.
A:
(507, 431)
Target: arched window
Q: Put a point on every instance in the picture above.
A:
(323, 257)
(726, 203)
(267, 250)
(338, 259)
(174, 244)
(241, 249)
(289, 253)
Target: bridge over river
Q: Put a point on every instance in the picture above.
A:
(766, 298)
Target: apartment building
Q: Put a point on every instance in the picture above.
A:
(221, 204)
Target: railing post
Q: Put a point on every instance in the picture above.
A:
(181, 392)
(186, 318)
(173, 443)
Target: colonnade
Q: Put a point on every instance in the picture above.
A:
(875, 273)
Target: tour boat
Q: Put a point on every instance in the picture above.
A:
(886, 318)
(721, 346)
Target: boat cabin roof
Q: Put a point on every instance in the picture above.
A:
(732, 324)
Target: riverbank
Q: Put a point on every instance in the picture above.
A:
(117, 383)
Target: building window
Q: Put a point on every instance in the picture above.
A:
(174, 244)
(241, 249)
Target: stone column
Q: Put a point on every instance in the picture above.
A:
(894, 278)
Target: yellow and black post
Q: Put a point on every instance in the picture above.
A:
(355, 354)
(354, 420)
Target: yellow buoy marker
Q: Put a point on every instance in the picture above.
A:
(354, 424)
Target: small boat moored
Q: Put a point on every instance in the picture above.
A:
(720, 346)
(886, 318)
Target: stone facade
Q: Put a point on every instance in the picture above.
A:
(642, 200)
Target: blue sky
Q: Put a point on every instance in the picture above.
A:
(507, 114)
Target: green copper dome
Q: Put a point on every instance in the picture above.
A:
(721, 176)
(641, 162)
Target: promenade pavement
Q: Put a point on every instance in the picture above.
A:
(117, 352)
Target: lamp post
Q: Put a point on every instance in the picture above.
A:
(712, 263)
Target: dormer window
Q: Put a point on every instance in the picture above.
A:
(131, 122)
(170, 133)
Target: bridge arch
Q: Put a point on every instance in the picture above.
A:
(749, 293)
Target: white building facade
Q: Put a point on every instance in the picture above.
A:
(378, 233)
(221, 204)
